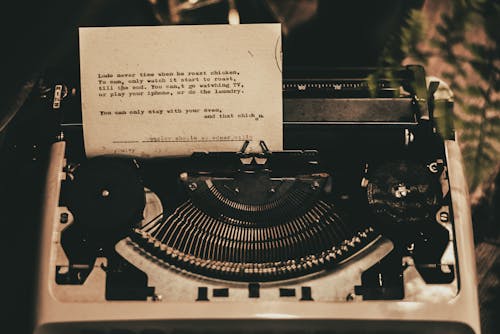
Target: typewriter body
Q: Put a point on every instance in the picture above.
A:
(361, 224)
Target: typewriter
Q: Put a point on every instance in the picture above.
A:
(360, 225)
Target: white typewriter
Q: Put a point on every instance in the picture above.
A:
(360, 225)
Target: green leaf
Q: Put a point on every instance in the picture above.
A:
(486, 146)
(458, 99)
(448, 75)
(485, 161)
(494, 133)
(491, 15)
(446, 19)
(475, 91)
(495, 105)
(474, 110)
(455, 38)
(496, 85)
(471, 128)
(443, 31)
(438, 44)
(452, 60)
(461, 70)
(468, 137)
(484, 69)
(494, 122)
(480, 51)
(494, 126)
(467, 126)
(468, 152)
(457, 88)
(491, 152)
(458, 123)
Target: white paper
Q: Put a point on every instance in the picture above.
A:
(173, 90)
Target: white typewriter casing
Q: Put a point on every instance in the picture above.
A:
(458, 314)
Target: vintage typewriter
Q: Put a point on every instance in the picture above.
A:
(360, 225)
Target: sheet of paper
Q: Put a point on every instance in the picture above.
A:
(173, 90)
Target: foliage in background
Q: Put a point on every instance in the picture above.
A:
(466, 41)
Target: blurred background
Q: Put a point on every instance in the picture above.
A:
(456, 40)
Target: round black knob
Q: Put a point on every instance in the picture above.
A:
(403, 194)
(106, 195)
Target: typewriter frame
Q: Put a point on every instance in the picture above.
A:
(459, 315)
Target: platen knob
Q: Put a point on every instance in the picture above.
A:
(403, 195)
(106, 195)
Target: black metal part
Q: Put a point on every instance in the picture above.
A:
(220, 292)
(253, 290)
(202, 294)
(403, 195)
(290, 162)
(306, 293)
(106, 197)
(372, 106)
(63, 218)
(287, 292)
(256, 223)
(367, 83)
(384, 280)
(429, 247)
(124, 281)
(255, 199)
(73, 275)
(381, 110)
(80, 247)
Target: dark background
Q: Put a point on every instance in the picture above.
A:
(41, 34)
(41, 37)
